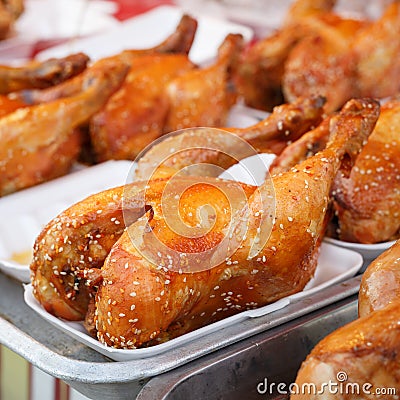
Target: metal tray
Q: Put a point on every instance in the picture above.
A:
(252, 368)
(97, 377)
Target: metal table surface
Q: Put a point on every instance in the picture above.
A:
(98, 377)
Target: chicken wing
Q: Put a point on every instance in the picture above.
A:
(148, 295)
(39, 143)
(41, 74)
(366, 350)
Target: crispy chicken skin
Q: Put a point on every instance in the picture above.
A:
(380, 283)
(376, 50)
(180, 41)
(309, 144)
(10, 11)
(306, 56)
(286, 123)
(163, 93)
(203, 97)
(349, 60)
(136, 114)
(41, 74)
(319, 52)
(261, 67)
(367, 349)
(141, 302)
(137, 302)
(39, 143)
(81, 235)
(367, 201)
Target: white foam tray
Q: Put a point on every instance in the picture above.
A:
(368, 251)
(335, 265)
(148, 30)
(25, 213)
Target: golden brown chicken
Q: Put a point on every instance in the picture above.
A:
(203, 97)
(319, 52)
(10, 11)
(380, 283)
(180, 41)
(365, 201)
(41, 74)
(151, 286)
(361, 62)
(163, 93)
(53, 74)
(39, 143)
(79, 237)
(286, 123)
(309, 144)
(376, 51)
(307, 56)
(136, 114)
(364, 354)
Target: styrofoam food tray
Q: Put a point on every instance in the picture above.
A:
(368, 251)
(23, 214)
(148, 30)
(335, 265)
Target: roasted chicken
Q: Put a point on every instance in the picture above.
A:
(40, 142)
(366, 350)
(366, 201)
(164, 93)
(41, 74)
(10, 11)
(380, 283)
(164, 276)
(286, 123)
(319, 52)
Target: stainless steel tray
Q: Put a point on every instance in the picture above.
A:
(252, 368)
(97, 377)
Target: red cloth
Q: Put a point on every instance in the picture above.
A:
(130, 8)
